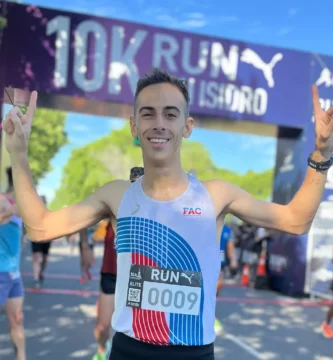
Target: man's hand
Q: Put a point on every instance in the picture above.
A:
(17, 127)
(323, 126)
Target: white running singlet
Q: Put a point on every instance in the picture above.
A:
(168, 263)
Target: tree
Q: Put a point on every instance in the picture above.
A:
(47, 136)
(112, 156)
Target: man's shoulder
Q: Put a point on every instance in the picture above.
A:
(217, 184)
(113, 188)
(112, 192)
(222, 193)
(220, 188)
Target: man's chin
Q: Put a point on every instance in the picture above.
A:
(158, 157)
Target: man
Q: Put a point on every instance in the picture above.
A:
(40, 253)
(166, 222)
(105, 305)
(11, 288)
(226, 247)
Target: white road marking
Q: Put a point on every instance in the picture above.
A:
(244, 346)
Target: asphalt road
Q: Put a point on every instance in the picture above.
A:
(59, 319)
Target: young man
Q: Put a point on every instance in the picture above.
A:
(168, 258)
(105, 306)
(11, 287)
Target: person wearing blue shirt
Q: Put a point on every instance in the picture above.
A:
(227, 249)
(11, 287)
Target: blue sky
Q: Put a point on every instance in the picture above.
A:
(297, 24)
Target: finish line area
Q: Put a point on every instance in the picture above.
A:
(60, 317)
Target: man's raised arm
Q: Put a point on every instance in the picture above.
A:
(42, 224)
(297, 216)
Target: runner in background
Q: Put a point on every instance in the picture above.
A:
(105, 304)
(40, 253)
(87, 259)
(326, 326)
(227, 249)
(11, 287)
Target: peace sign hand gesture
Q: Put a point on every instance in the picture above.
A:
(17, 126)
(323, 126)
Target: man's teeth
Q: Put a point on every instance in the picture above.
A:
(158, 140)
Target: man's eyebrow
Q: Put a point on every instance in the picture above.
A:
(171, 108)
(150, 108)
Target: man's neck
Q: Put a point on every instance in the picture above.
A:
(164, 183)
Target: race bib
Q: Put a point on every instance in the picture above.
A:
(165, 290)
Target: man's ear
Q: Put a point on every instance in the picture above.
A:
(133, 126)
(188, 127)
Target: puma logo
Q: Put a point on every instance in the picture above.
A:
(250, 57)
(325, 78)
(189, 278)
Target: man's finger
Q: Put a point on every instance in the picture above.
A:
(16, 121)
(315, 100)
(18, 111)
(32, 105)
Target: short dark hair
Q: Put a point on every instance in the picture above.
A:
(136, 172)
(158, 76)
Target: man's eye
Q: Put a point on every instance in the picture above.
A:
(171, 115)
(146, 115)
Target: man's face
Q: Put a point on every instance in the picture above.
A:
(161, 121)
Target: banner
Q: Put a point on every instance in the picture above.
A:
(319, 273)
(99, 58)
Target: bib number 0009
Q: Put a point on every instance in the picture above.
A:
(171, 298)
(165, 290)
(167, 298)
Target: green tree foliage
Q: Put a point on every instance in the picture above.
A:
(112, 156)
(47, 137)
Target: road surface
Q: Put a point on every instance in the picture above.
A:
(59, 319)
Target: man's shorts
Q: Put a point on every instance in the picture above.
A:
(127, 348)
(222, 266)
(40, 247)
(108, 283)
(9, 287)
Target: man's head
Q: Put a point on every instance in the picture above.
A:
(135, 173)
(161, 115)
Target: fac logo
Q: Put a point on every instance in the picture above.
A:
(194, 211)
